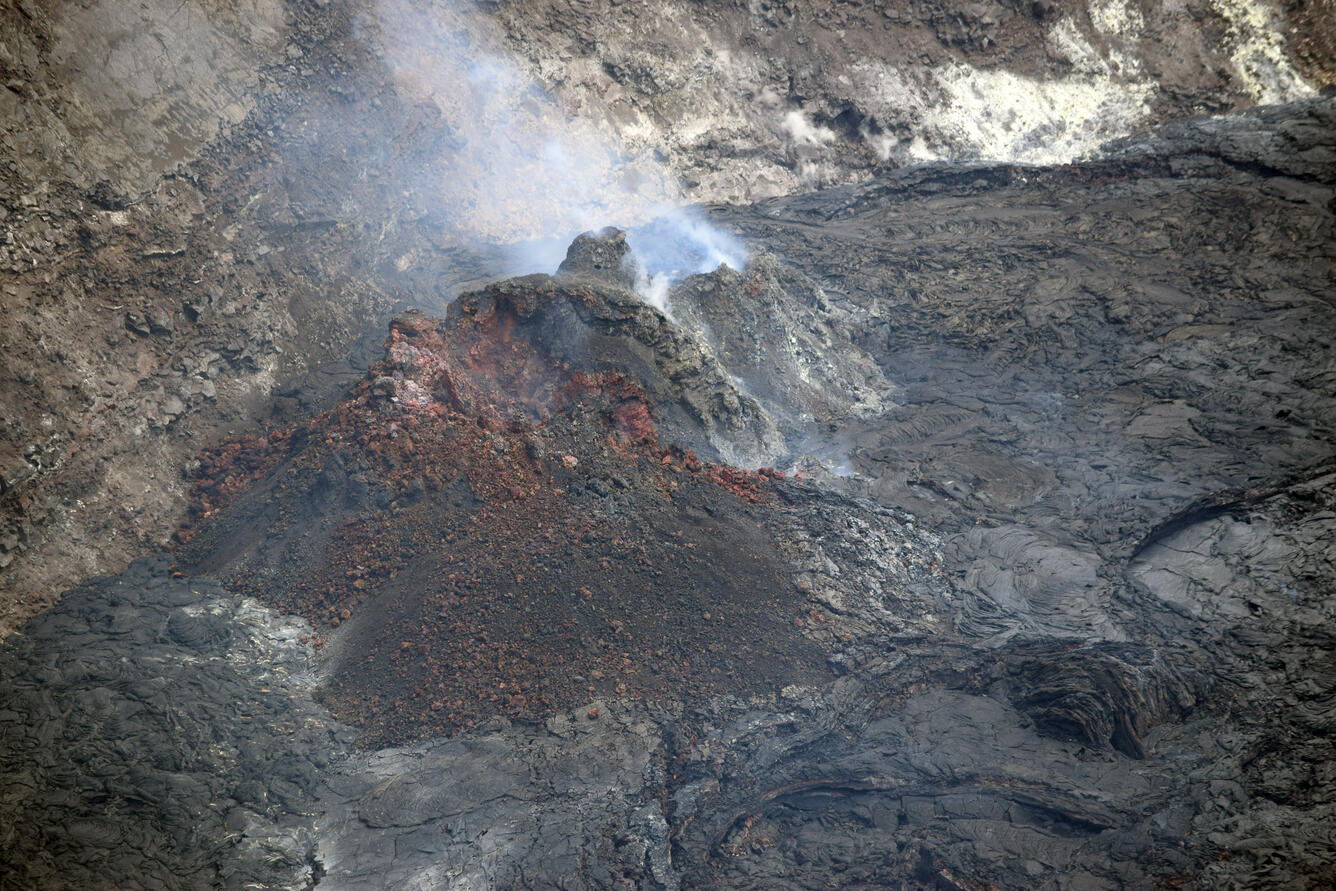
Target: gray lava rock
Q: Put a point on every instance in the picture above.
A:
(604, 256)
(599, 327)
(126, 749)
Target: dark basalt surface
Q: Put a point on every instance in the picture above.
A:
(158, 732)
(1067, 623)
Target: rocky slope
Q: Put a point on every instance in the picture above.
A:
(972, 527)
(749, 100)
(204, 202)
(1096, 653)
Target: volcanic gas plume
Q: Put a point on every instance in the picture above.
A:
(519, 169)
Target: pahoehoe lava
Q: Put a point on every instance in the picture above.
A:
(979, 532)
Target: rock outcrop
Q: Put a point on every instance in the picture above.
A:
(548, 448)
(786, 344)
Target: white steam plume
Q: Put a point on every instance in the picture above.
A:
(803, 132)
(518, 169)
(680, 241)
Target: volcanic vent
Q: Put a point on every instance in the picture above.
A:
(518, 510)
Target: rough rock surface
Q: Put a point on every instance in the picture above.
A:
(602, 329)
(145, 314)
(1050, 606)
(1098, 654)
(778, 335)
(1145, 347)
(749, 100)
(158, 733)
(202, 203)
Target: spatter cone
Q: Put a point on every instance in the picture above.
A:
(513, 513)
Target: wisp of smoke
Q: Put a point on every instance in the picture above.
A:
(679, 242)
(518, 170)
(803, 132)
